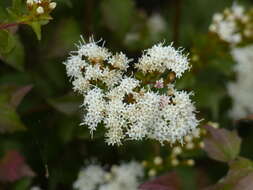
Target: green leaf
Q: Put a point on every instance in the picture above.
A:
(17, 5)
(22, 184)
(15, 57)
(36, 26)
(68, 104)
(221, 144)
(10, 98)
(9, 119)
(7, 42)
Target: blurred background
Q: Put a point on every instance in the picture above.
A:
(44, 127)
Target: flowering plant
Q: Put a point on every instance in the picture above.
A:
(143, 104)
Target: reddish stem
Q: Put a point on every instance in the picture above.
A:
(9, 25)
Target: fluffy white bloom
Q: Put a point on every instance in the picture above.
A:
(126, 106)
(225, 24)
(120, 61)
(74, 66)
(81, 85)
(89, 178)
(111, 77)
(93, 51)
(95, 106)
(124, 177)
(241, 91)
(161, 58)
(126, 86)
(167, 123)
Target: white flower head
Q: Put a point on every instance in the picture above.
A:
(93, 51)
(126, 176)
(244, 83)
(161, 58)
(226, 24)
(120, 61)
(127, 107)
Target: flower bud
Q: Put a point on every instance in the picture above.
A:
(158, 160)
(152, 173)
(52, 5)
(40, 10)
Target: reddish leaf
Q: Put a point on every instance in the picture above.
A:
(13, 167)
(167, 182)
(239, 177)
(222, 145)
(19, 94)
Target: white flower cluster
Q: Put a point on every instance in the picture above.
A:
(232, 25)
(41, 5)
(124, 177)
(242, 90)
(160, 58)
(127, 107)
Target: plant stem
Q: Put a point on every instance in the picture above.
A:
(9, 25)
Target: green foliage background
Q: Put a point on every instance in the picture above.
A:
(44, 126)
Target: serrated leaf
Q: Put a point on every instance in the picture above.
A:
(13, 167)
(7, 42)
(221, 144)
(166, 182)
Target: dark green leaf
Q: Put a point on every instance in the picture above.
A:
(7, 42)
(15, 58)
(9, 119)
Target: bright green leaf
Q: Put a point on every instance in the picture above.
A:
(36, 26)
